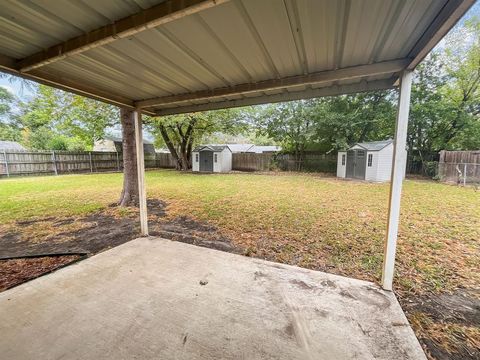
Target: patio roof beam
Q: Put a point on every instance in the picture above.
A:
(152, 17)
(446, 19)
(287, 96)
(45, 78)
(62, 83)
(349, 73)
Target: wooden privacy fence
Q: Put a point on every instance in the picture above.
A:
(251, 161)
(309, 162)
(460, 167)
(285, 162)
(65, 162)
(16, 163)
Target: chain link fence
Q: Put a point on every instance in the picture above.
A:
(459, 173)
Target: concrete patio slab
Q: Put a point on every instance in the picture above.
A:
(156, 299)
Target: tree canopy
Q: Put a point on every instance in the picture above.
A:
(58, 120)
(180, 133)
(444, 107)
(8, 127)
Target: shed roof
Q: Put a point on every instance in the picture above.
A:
(214, 148)
(179, 56)
(374, 145)
(10, 145)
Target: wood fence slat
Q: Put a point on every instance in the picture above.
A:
(459, 166)
(66, 162)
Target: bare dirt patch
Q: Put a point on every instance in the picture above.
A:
(447, 324)
(102, 230)
(38, 246)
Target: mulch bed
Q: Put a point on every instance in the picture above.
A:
(13, 272)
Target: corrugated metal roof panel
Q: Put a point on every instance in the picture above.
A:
(233, 43)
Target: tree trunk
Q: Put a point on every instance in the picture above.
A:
(170, 146)
(129, 195)
(179, 144)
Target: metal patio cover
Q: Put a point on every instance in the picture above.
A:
(178, 56)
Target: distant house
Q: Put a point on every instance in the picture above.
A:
(212, 158)
(11, 145)
(238, 148)
(262, 149)
(370, 161)
(112, 144)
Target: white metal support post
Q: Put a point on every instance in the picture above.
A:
(398, 173)
(142, 195)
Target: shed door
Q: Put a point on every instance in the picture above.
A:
(360, 162)
(206, 161)
(350, 163)
(356, 164)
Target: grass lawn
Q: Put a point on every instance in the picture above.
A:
(306, 220)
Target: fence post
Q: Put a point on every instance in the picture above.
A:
(464, 174)
(118, 161)
(54, 161)
(6, 163)
(90, 157)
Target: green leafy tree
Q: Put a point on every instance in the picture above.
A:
(328, 124)
(9, 129)
(180, 133)
(343, 120)
(86, 119)
(55, 119)
(290, 124)
(462, 90)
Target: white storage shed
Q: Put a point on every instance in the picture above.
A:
(370, 161)
(212, 158)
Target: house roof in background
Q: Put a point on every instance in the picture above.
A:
(10, 145)
(374, 145)
(265, 148)
(239, 148)
(119, 139)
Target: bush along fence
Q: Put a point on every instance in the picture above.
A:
(422, 163)
(15, 163)
(459, 167)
